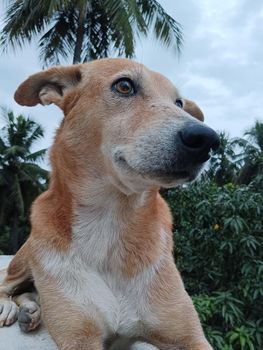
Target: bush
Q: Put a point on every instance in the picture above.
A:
(218, 250)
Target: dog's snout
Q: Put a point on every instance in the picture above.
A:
(199, 138)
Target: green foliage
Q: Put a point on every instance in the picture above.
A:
(238, 160)
(251, 157)
(21, 179)
(222, 164)
(218, 250)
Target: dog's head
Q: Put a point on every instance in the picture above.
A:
(128, 123)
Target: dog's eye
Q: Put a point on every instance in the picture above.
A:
(124, 87)
(179, 103)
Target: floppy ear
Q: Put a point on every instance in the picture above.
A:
(49, 86)
(192, 108)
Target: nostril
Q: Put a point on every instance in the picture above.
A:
(198, 137)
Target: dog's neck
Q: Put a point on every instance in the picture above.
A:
(128, 231)
(88, 205)
(93, 187)
(96, 194)
(85, 193)
(101, 196)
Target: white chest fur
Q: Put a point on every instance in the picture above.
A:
(90, 278)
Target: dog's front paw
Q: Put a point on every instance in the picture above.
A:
(8, 312)
(29, 316)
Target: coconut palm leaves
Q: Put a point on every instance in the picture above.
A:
(238, 160)
(81, 30)
(21, 179)
(222, 165)
(252, 154)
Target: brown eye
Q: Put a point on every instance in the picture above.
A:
(179, 103)
(124, 87)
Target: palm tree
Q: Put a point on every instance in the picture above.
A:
(86, 29)
(251, 155)
(21, 179)
(223, 163)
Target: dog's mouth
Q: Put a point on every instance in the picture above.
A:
(167, 176)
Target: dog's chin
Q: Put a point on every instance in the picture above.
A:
(175, 178)
(166, 178)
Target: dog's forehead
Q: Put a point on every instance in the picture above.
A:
(114, 68)
(111, 66)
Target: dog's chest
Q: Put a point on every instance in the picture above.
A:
(90, 277)
(97, 238)
(123, 301)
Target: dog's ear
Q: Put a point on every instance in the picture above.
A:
(192, 108)
(49, 86)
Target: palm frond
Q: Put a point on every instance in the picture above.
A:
(109, 24)
(36, 156)
(49, 7)
(97, 33)
(37, 133)
(58, 42)
(3, 146)
(255, 134)
(122, 27)
(166, 29)
(24, 19)
(34, 170)
(15, 151)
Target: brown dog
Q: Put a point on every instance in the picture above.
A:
(100, 251)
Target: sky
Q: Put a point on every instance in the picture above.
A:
(220, 67)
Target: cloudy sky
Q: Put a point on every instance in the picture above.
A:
(221, 65)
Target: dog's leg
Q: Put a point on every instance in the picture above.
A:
(71, 330)
(29, 315)
(18, 276)
(70, 326)
(176, 325)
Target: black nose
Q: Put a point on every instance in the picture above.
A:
(198, 140)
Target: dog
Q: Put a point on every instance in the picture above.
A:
(100, 253)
